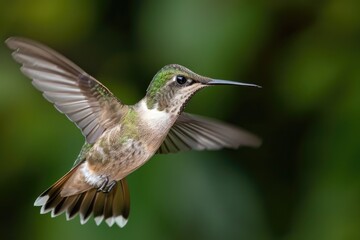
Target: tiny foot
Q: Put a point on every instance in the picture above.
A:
(106, 186)
(111, 186)
(103, 185)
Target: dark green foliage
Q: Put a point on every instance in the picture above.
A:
(302, 183)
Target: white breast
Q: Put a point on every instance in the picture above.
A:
(154, 118)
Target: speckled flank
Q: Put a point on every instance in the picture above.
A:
(130, 126)
(127, 146)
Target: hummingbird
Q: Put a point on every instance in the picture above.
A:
(119, 138)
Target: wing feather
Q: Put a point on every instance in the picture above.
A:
(83, 99)
(191, 132)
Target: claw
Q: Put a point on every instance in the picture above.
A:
(111, 186)
(105, 186)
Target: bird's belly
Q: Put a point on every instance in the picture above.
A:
(119, 159)
(122, 149)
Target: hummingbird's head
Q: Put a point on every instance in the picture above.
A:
(173, 86)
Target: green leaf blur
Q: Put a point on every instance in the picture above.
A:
(302, 183)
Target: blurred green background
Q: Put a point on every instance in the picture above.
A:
(302, 183)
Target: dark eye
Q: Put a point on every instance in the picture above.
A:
(181, 80)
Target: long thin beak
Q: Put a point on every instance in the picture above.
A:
(226, 82)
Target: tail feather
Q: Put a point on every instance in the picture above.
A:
(87, 205)
(64, 205)
(113, 207)
(108, 209)
(98, 208)
(124, 198)
(74, 208)
(51, 203)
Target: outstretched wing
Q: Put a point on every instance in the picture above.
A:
(192, 132)
(84, 100)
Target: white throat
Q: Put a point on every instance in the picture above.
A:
(154, 118)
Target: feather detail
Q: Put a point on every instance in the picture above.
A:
(113, 206)
(83, 99)
(191, 132)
